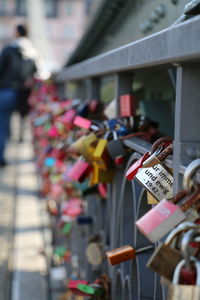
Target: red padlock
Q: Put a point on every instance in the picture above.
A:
(73, 286)
(127, 106)
(102, 188)
(132, 171)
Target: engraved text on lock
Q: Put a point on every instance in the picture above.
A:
(157, 180)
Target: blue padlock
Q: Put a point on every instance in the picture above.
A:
(84, 220)
(118, 126)
(49, 162)
(82, 110)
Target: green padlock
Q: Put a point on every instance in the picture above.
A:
(89, 290)
(47, 126)
(60, 251)
(66, 228)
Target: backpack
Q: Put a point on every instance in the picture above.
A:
(27, 69)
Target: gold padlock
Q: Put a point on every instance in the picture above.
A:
(101, 176)
(101, 155)
(151, 199)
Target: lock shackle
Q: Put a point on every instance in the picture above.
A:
(159, 142)
(189, 173)
(184, 226)
(181, 264)
(194, 197)
(186, 239)
(136, 134)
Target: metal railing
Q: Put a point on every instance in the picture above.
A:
(178, 47)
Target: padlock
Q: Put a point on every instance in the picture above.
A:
(49, 162)
(151, 199)
(102, 188)
(85, 123)
(82, 109)
(85, 145)
(80, 170)
(115, 147)
(184, 291)
(118, 126)
(73, 207)
(166, 215)
(157, 179)
(127, 105)
(185, 245)
(53, 132)
(105, 284)
(165, 258)
(73, 286)
(93, 105)
(60, 251)
(132, 171)
(68, 118)
(66, 229)
(94, 253)
(100, 154)
(124, 253)
(82, 122)
(39, 121)
(84, 220)
(151, 158)
(101, 176)
(52, 207)
(89, 290)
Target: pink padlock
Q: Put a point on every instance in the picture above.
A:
(53, 132)
(68, 118)
(80, 171)
(162, 218)
(82, 122)
(102, 189)
(73, 208)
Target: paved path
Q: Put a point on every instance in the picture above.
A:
(19, 202)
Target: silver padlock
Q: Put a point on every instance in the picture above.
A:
(155, 176)
(183, 291)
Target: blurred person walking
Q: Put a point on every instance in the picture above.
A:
(17, 68)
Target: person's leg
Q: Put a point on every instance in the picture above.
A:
(4, 121)
(7, 106)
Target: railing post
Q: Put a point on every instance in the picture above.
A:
(123, 85)
(93, 88)
(81, 90)
(187, 125)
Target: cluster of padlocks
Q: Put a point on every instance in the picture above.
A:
(78, 148)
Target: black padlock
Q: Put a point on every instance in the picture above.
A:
(116, 147)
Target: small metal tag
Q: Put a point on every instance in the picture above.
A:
(157, 180)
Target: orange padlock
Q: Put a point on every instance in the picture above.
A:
(125, 253)
(120, 255)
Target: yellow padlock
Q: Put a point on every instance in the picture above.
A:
(84, 145)
(151, 199)
(101, 155)
(101, 176)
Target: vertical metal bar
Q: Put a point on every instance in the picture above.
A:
(123, 85)
(187, 125)
(93, 88)
(81, 90)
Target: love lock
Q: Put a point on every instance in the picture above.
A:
(153, 174)
(184, 291)
(124, 253)
(101, 155)
(166, 257)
